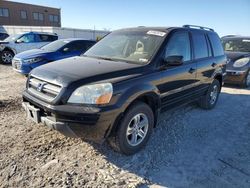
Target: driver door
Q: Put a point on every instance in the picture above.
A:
(26, 42)
(178, 82)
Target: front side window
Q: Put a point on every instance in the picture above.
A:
(200, 45)
(179, 45)
(23, 14)
(236, 44)
(130, 46)
(27, 38)
(46, 38)
(4, 12)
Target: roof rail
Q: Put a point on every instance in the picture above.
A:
(230, 36)
(199, 27)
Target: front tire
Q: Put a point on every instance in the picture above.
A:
(6, 57)
(134, 129)
(246, 81)
(209, 100)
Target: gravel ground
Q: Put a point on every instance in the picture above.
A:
(189, 148)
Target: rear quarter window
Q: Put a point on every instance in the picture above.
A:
(47, 38)
(200, 45)
(216, 44)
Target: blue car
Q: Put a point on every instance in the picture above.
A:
(26, 61)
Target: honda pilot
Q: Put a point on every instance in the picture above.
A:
(118, 88)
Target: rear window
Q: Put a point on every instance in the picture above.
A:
(216, 44)
(200, 45)
(47, 38)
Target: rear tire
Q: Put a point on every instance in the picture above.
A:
(246, 81)
(134, 129)
(7, 56)
(209, 100)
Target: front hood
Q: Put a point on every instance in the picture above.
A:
(32, 53)
(3, 42)
(236, 55)
(233, 56)
(84, 70)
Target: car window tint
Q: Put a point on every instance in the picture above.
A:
(27, 38)
(84, 45)
(179, 45)
(216, 44)
(47, 38)
(79, 46)
(200, 45)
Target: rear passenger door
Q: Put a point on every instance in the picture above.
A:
(178, 82)
(204, 59)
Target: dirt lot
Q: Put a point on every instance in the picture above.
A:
(190, 148)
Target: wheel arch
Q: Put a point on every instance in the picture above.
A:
(148, 96)
(9, 49)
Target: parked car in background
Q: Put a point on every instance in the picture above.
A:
(237, 49)
(3, 36)
(118, 88)
(15, 44)
(26, 61)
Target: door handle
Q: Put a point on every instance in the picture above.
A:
(191, 70)
(213, 64)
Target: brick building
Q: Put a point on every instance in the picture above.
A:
(22, 14)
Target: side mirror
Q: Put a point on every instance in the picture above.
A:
(174, 60)
(19, 41)
(65, 50)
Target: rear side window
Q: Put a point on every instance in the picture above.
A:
(216, 44)
(179, 45)
(200, 45)
(47, 38)
(84, 45)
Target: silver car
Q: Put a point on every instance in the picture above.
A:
(17, 43)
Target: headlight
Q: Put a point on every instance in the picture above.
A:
(32, 60)
(1, 47)
(241, 62)
(92, 94)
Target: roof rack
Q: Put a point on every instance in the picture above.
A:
(230, 36)
(199, 27)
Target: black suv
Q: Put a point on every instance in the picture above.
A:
(118, 88)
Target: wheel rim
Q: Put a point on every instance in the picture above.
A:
(7, 57)
(137, 129)
(248, 79)
(214, 94)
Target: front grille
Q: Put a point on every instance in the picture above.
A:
(16, 63)
(43, 89)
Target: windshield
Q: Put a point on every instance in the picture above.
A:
(130, 46)
(54, 46)
(236, 45)
(12, 37)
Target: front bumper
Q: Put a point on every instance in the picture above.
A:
(90, 123)
(235, 77)
(25, 68)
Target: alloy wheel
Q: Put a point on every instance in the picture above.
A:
(137, 129)
(7, 57)
(214, 94)
(248, 79)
